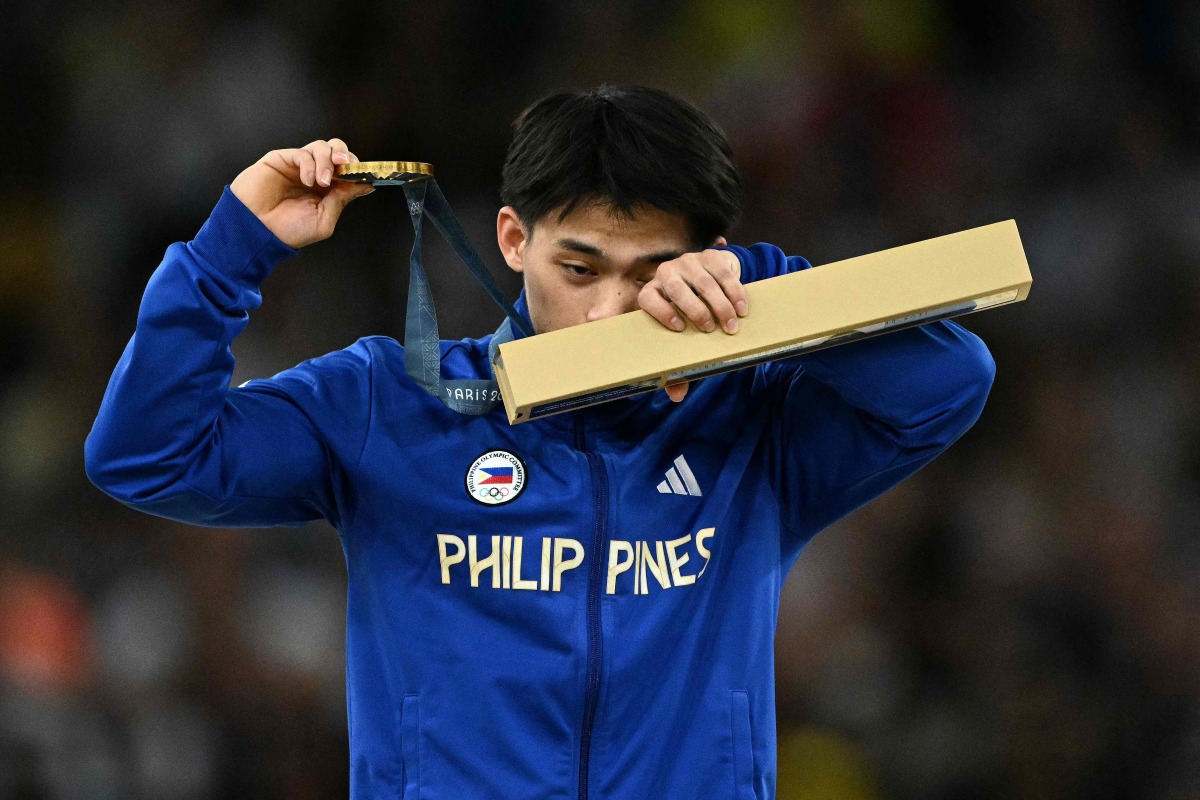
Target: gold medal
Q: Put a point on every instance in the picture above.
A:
(383, 173)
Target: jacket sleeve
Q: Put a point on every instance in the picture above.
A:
(849, 422)
(174, 440)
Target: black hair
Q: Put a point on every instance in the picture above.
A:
(623, 146)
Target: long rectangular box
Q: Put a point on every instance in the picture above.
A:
(800, 312)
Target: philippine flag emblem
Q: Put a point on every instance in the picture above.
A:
(495, 478)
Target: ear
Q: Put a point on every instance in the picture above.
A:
(512, 238)
(720, 242)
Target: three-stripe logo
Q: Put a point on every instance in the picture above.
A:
(680, 480)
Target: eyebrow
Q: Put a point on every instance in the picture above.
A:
(591, 250)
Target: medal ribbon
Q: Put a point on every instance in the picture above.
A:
(422, 345)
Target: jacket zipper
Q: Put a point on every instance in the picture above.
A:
(595, 640)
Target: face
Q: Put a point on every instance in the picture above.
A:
(591, 265)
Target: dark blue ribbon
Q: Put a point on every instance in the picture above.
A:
(422, 345)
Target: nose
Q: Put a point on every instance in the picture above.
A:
(611, 301)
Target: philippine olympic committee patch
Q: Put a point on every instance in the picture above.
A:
(496, 478)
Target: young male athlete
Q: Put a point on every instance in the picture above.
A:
(579, 605)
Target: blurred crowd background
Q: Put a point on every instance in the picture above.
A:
(1018, 620)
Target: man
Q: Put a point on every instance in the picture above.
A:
(583, 604)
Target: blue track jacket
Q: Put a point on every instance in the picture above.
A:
(578, 606)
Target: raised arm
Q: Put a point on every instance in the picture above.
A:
(171, 437)
(848, 422)
(851, 421)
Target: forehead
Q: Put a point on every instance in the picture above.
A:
(600, 225)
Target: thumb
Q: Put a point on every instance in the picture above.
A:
(676, 391)
(340, 195)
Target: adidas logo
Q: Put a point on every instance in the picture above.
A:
(680, 480)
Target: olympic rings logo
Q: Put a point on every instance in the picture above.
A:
(491, 492)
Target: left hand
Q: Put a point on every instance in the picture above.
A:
(704, 288)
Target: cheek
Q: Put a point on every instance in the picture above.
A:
(549, 298)
(564, 303)
(539, 287)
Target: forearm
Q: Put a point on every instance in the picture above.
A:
(850, 421)
(927, 383)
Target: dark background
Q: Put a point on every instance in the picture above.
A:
(1018, 620)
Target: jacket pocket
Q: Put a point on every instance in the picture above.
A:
(410, 733)
(743, 750)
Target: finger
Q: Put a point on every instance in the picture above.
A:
(323, 154)
(731, 282)
(681, 293)
(303, 161)
(341, 153)
(652, 302)
(343, 192)
(706, 286)
(676, 391)
(282, 161)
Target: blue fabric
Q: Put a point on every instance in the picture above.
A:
(461, 691)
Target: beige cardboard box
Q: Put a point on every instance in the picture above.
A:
(820, 307)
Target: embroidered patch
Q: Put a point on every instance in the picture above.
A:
(496, 478)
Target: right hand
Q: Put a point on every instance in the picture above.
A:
(293, 191)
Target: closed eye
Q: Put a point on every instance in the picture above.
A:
(583, 271)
